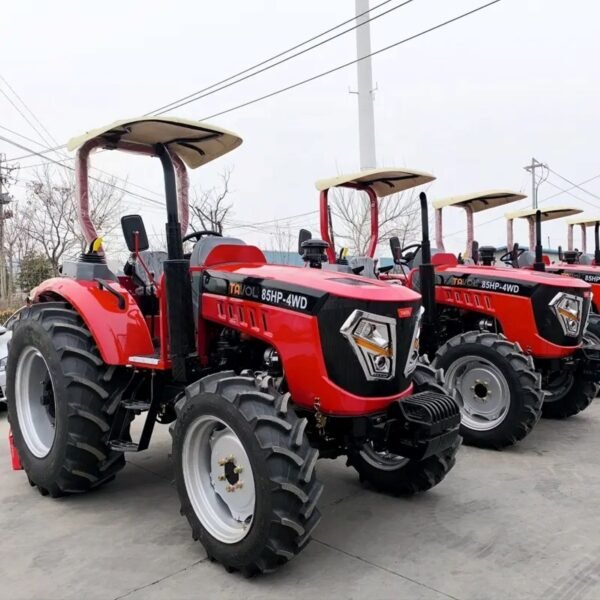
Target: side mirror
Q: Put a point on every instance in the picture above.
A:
(134, 233)
(3, 330)
(303, 236)
(475, 252)
(396, 249)
(561, 256)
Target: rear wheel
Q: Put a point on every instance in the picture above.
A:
(496, 386)
(402, 476)
(61, 396)
(245, 472)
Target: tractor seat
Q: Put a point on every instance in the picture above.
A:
(367, 263)
(203, 247)
(527, 259)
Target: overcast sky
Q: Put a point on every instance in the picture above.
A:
(471, 103)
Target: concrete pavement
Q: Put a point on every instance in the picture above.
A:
(519, 524)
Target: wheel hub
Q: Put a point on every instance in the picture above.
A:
(482, 391)
(228, 462)
(219, 479)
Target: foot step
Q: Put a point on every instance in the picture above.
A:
(123, 446)
(140, 405)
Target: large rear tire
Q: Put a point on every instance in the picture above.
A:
(244, 472)
(61, 401)
(496, 386)
(398, 475)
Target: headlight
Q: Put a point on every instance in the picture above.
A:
(373, 339)
(413, 350)
(569, 311)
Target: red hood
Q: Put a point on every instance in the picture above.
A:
(517, 275)
(332, 282)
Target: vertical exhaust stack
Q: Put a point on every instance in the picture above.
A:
(538, 265)
(427, 281)
(597, 243)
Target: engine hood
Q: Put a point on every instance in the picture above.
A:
(524, 277)
(342, 285)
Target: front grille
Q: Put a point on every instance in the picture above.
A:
(343, 367)
(546, 321)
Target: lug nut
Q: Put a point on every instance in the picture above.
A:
(222, 462)
(230, 488)
(239, 485)
(238, 469)
(221, 477)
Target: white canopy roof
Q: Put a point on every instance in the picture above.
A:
(587, 221)
(194, 142)
(382, 181)
(480, 200)
(548, 213)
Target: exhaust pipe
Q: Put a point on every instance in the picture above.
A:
(427, 279)
(538, 265)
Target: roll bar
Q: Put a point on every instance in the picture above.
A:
(177, 195)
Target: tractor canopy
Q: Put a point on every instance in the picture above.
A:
(377, 183)
(546, 214)
(177, 142)
(194, 142)
(472, 203)
(583, 223)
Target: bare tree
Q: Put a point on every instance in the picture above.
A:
(50, 215)
(283, 242)
(16, 244)
(398, 216)
(210, 208)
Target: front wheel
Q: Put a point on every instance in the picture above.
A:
(567, 393)
(244, 472)
(496, 386)
(402, 476)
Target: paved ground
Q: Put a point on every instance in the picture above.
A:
(518, 524)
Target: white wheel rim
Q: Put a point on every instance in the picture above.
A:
(218, 479)
(34, 401)
(481, 390)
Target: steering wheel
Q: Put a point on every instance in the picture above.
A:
(404, 259)
(196, 235)
(508, 258)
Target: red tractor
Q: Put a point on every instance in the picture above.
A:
(499, 366)
(572, 262)
(259, 369)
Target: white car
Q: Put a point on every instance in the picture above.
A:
(5, 335)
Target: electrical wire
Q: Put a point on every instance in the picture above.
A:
(352, 62)
(268, 60)
(70, 168)
(199, 95)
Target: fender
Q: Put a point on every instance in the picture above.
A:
(119, 333)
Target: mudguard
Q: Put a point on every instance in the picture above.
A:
(115, 320)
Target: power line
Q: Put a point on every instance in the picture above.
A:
(203, 94)
(60, 164)
(575, 185)
(267, 60)
(352, 62)
(562, 191)
(52, 138)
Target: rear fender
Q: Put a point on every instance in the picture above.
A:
(119, 333)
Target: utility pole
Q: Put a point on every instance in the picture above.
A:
(366, 116)
(4, 200)
(535, 183)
